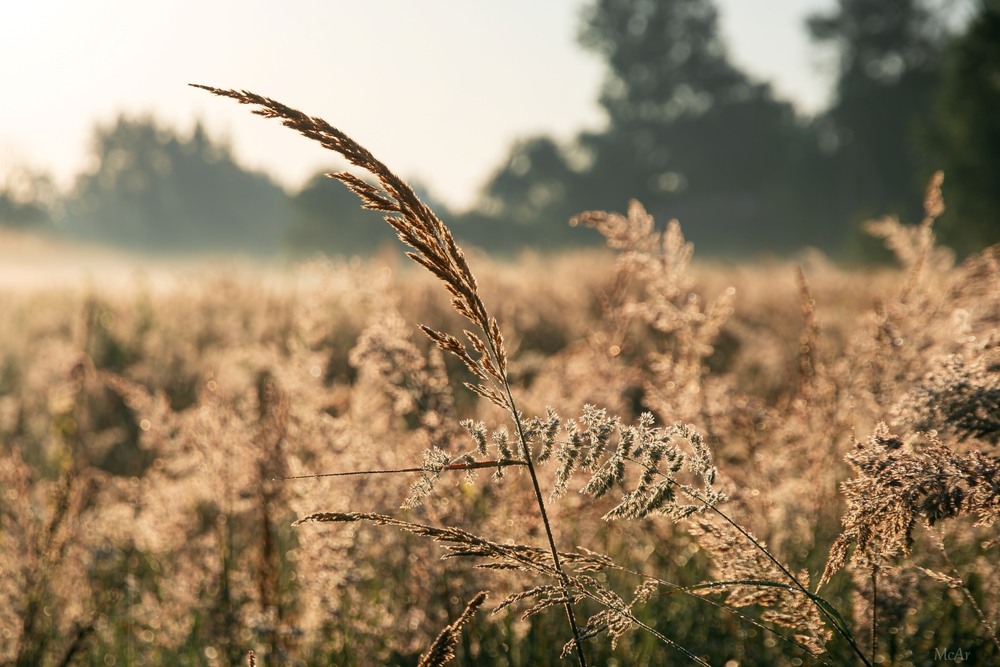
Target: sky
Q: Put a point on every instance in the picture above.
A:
(437, 89)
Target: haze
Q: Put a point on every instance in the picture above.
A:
(439, 90)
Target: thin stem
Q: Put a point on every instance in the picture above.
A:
(798, 584)
(874, 611)
(522, 439)
(677, 588)
(540, 500)
(956, 575)
(474, 465)
(850, 640)
(624, 611)
(666, 640)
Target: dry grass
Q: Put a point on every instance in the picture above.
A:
(691, 452)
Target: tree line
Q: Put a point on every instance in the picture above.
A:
(688, 133)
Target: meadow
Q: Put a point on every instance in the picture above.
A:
(622, 457)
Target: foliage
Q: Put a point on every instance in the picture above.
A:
(326, 219)
(888, 69)
(28, 200)
(154, 190)
(200, 533)
(965, 133)
(688, 133)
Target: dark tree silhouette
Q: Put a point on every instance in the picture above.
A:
(889, 65)
(965, 135)
(28, 199)
(326, 219)
(154, 190)
(688, 133)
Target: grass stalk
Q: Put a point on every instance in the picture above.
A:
(435, 249)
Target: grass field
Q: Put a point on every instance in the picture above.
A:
(637, 458)
(144, 423)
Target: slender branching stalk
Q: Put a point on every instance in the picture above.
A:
(434, 248)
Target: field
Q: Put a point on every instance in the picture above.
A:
(779, 463)
(145, 424)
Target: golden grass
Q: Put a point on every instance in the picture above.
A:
(712, 440)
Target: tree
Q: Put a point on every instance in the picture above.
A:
(688, 134)
(327, 219)
(666, 60)
(154, 190)
(965, 134)
(527, 201)
(889, 59)
(28, 199)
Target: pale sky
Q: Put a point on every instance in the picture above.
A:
(437, 89)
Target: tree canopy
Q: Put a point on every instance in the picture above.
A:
(889, 65)
(687, 132)
(965, 134)
(151, 189)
